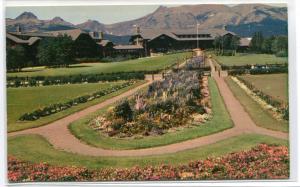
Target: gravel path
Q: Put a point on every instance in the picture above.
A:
(58, 134)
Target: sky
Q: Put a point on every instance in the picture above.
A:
(106, 14)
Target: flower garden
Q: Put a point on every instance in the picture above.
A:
(180, 99)
(261, 162)
(184, 100)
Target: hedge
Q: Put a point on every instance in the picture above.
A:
(282, 107)
(57, 107)
(269, 70)
(73, 79)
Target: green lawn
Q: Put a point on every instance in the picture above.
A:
(36, 149)
(143, 64)
(220, 121)
(260, 116)
(28, 99)
(275, 85)
(244, 59)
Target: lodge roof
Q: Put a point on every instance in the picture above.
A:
(30, 41)
(73, 33)
(31, 34)
(150, 34)
(120, 47)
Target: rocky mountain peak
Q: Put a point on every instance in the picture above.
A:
(26, 15)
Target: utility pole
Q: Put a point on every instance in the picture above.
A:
(198, 35)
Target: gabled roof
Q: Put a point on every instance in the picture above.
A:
(31, 34)
(30, 41)
(74, 33)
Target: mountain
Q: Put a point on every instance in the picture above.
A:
(92, 25)
(244, 19)
(30, 22)
(26, 16)
(259, 17)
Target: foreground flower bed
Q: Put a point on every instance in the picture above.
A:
(261, 162)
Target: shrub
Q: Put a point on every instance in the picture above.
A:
(123, 110)
(73, 79)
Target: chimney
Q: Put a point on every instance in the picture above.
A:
(18, 29)
(138, 31)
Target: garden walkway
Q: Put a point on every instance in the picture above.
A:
(58, 134)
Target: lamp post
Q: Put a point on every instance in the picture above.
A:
(198, 35)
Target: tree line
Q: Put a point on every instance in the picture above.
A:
(58, 51)
(226, 45)
(229, 44)
(277, 45)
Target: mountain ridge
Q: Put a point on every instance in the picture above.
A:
(179, 18)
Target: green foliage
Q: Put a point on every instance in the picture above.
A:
(280, 46)
(15, 58)
(226, 45)
(257, 42)
(58, 80)
(86, 47)
(277, 45)
(58, 51)
(123, 110)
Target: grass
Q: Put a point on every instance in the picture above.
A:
(143, 64)
(220, 121)
(36, 149)
(243, 59)
(28, 99)
(260, 116)
(275, 85)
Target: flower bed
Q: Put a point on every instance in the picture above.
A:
(277, 106)
(261, 162)
(74, 79)
(182, 97)
(57, 107)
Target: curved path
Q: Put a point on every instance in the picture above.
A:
(58, 134)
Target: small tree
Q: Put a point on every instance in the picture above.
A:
(280, 46)
(256, 42)
(65, 51)
(57, 51)
(15, 58)
(267, 44)
(234, 44)
(123, 110)
(217, 44)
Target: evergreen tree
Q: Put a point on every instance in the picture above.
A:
(257, 42)
(58, 51)
(15, 58)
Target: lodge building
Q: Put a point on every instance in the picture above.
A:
(144, 42)
(155, 41)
